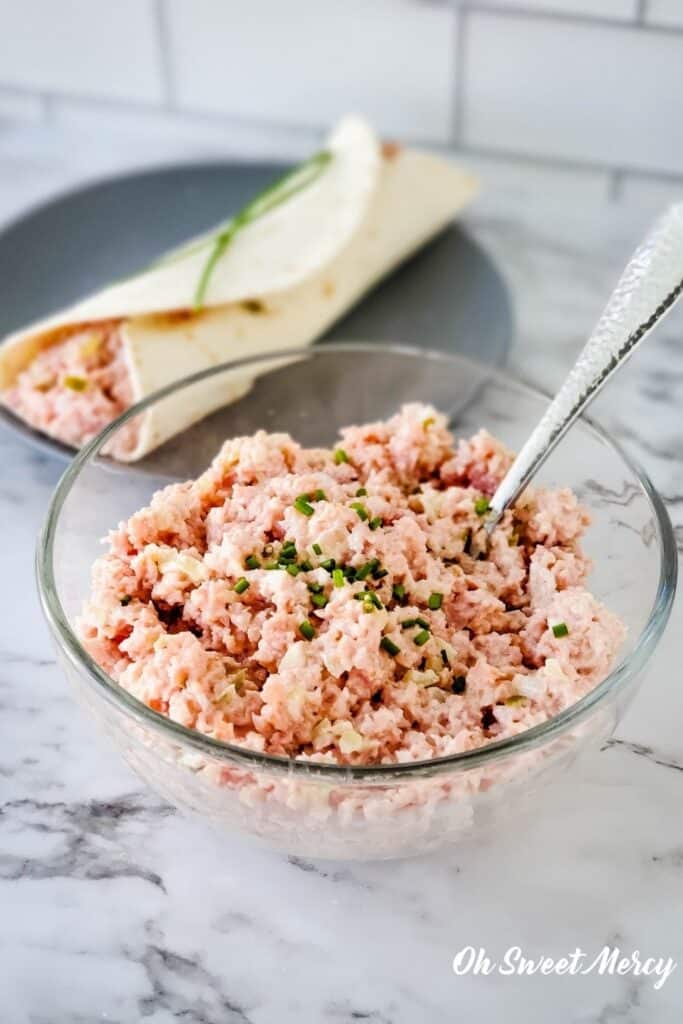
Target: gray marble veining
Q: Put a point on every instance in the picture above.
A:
(115, 908)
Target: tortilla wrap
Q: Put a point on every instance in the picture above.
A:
(282, 282)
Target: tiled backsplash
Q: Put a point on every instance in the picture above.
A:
(597, 83)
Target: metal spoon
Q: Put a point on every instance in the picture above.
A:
(648, 289)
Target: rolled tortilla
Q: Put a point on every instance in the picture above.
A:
(282, 282)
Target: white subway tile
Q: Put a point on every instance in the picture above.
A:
(664, 12)
(650, 194)
(308, 61)
(81, 46)
(587, 93)
(621, 10)
(20, 106)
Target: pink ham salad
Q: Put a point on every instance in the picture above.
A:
(341, 605)
(76, 387)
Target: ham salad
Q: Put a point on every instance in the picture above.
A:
(343, 605)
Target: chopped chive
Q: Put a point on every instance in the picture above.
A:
(560, 629)
(307, 630)
(444, 658)
(75, 383)
(340, 456)
(251, 562)
(379, 574)
(361, 492)
(315, 588)
(241, 585)
(435, 601)
(319, 495)
(458, 684)
(271, 565)
(375, 522)
(288, 549)
(368, 607)
(421, 639)
(408, 623)
(398, 592)
(305, 566)
(319, 600)
(481, 506)
(388, 645)
(126, 599)
(301, 504)
(422, 622)
(317, 549)
(329, 564)
(350, 573)
(367, 568)
(292, 569)
(338, 578)
(360, 510)
(429, 422)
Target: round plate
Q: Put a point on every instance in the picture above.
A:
(448, 296)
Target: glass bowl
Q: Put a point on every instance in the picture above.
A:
(385, 810)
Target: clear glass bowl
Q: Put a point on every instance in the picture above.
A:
(329, 810)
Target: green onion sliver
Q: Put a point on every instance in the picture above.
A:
(241, 585)
(560, 629)
(388, 645)
(421, 639)
(307, 630)
(435, 601)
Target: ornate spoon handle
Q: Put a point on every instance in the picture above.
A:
(649, 287)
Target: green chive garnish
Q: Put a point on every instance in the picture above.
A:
(481, 506)
(319, 600)
(251, 562)
(375, 522)
(388, 645)
(317, 549)
(560, 629)
(329, 564)
(398, 592)
(367, 568)
(305, 566)
(271, 197)
(126, 599)
(435, 601)
(271, 565)
(75, 383)
(315, 588)
(340, 456)
(421, 639)
(288, 549)
(301, 504)
(241, 585)
(360, 510)
(379, 574)
(422, 622)
(361, 492)
(320, 495)
(292, 569)
(350, 573)
(307, 630)
(338, 578)
(408, 623)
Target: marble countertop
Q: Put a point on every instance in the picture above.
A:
(113, 907)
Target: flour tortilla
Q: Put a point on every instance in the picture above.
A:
(280, 284)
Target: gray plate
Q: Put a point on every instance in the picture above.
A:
(449, 296)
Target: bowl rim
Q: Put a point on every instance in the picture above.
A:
(70, 646)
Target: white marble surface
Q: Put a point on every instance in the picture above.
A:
(114, 908)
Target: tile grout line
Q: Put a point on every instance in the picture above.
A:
(163, 34)
(461, 33)
(531, 14)
(615, 185)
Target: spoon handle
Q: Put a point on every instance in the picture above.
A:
(649, 287)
